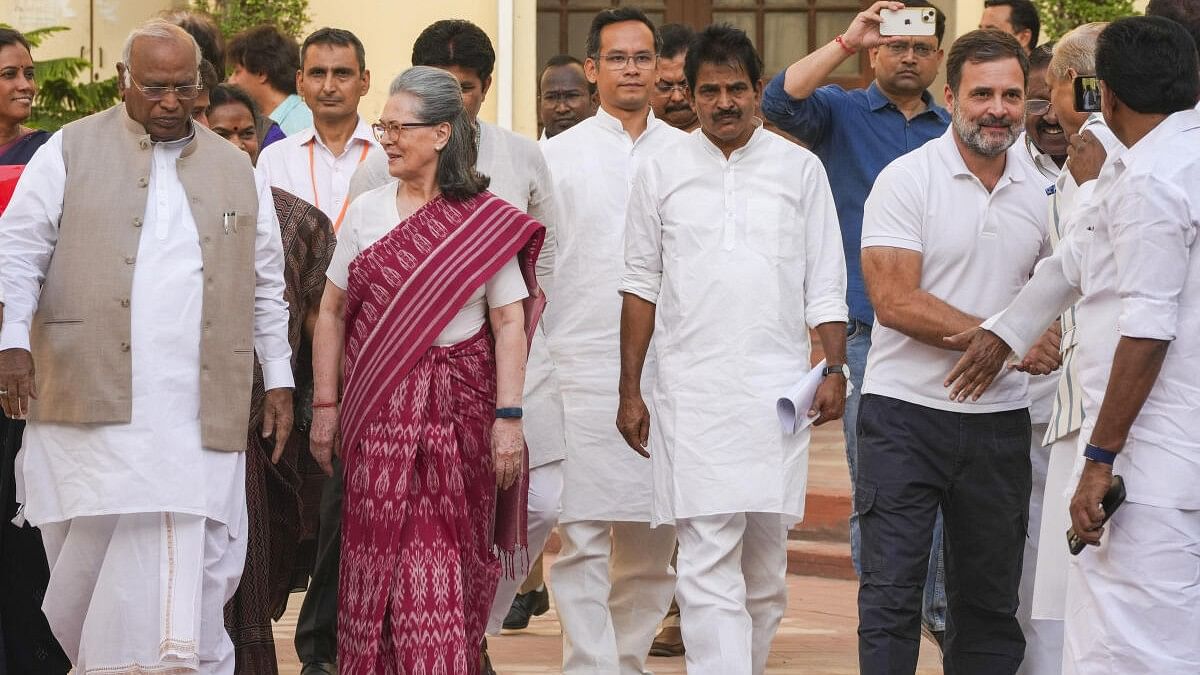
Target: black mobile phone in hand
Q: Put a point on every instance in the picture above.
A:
(1087, 93)
(1113, 499)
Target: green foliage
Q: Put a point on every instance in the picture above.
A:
(61, 96)
(235, 16)
(1060, 16)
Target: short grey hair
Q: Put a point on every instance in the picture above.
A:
(440, 96)
(1076, 51)
(159, 29)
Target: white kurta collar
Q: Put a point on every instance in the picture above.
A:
(756, 140)
(609, 123)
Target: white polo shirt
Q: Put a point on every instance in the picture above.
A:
(978, 249)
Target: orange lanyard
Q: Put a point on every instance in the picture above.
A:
(312, 174)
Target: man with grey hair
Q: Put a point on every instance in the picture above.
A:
(142, 263)
(1092, 147)
(1073, 199)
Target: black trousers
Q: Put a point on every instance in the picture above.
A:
(27, 647)
(316, 626)
(975, 466)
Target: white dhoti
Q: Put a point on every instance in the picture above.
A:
(1050, 585)
(545, 490)
(1043, 637)
(1133, 603)
(143, 592)
(732, 590)
(613, 583)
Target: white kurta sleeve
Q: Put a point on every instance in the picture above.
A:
(28, 235)
(825, 262)
(370, 174)
(1053, 288)
(270, 309)
(1152, 236)
(894, 211)
(543, 207)
(643, 238)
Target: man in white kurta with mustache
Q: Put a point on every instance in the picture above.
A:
(732, 252)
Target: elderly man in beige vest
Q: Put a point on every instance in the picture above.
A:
(142, 264)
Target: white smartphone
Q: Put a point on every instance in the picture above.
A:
(908, 21)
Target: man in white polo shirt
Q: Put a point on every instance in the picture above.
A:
(951, 231)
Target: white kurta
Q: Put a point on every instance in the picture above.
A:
(593, 164)
(1133, 257)
(742, 257)
(156, 461)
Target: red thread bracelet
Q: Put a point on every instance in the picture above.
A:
(327, 404)
(842, 43)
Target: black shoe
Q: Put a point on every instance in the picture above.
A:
(485, 661)
(319, 668)
(526, 605)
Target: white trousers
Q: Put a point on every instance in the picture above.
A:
(1133, 604)
(545, 491)
(612, 583)
(1043, 637)
(732, 590)
(143, 592)
(1050, 586)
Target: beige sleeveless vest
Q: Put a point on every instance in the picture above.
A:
(81, 332)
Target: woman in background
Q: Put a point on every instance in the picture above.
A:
(276, 498)
(26, 644)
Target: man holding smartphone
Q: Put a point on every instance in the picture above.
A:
(855, 134)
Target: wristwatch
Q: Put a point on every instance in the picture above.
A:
(839, 369)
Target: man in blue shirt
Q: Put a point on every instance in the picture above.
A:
(856, 134)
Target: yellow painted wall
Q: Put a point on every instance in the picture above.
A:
(388, 29)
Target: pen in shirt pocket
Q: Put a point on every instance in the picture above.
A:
(229, 221)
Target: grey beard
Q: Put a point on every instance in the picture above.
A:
(972, 136)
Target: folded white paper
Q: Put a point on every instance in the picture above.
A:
(793, 407)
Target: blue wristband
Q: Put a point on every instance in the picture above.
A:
(1098, 454)
(509, 413)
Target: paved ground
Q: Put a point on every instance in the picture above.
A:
(818, 634)
(817, 637)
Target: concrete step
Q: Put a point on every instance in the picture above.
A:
(830, 560)
(826, 518)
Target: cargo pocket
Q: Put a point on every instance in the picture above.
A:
(864, 502)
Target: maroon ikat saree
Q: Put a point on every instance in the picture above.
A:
(424, 532)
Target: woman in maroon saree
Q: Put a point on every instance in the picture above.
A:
(419, 360)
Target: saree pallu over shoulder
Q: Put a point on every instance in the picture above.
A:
(404, 290)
